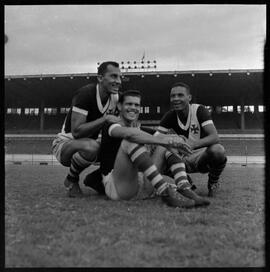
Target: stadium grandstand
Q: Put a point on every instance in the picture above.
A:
(39, 103)
(36, 106)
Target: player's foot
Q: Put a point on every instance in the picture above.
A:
(213, 188)
(193, 187)
(94, 181)
(172, 198)
(72, 187)
(199, 201)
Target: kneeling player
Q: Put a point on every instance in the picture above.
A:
(123, 156)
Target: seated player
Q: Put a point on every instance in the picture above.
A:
(93, 105)
(194, 124)
(123, 154)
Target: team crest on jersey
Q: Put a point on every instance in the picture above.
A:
(110, 111)
(194, 129)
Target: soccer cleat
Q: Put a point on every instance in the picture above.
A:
(94, 181)
(213, 188)
(72, 187)
(174, 199)
(199, 201)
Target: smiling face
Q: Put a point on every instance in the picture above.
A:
(180, 98)
(110, 81)
(130, 108)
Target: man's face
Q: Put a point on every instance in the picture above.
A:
(111, 80)
(130, 109)
(179, 98)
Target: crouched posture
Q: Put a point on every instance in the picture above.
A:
(193, 123)
(123, 156)
(93, 105)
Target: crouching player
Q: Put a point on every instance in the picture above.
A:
(193, 123)
(123, 155)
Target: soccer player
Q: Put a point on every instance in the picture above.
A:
(93, 105)
(194, 124)
(124, 155)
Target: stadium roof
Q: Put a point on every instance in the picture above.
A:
(228, 71)
(218, 87)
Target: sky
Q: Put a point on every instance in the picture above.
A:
(66, 39)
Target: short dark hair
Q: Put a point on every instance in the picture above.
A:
(129, 93)
(103, 66)
(181, 84)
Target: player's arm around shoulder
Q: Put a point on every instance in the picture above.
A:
(80, 128)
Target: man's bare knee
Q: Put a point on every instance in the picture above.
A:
(87, 147)
(90, 149)
(216, 152)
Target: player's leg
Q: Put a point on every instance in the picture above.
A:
(213, 160)
(78, 154)
(178, 170)
(132, 158)
(160, 161)
(158, 158)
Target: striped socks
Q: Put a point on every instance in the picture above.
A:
(140, 157)
(78, 164)
(178, 170)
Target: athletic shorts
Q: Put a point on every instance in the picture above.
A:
(58, 143)
(60, 140)
(145, 190)
(191, 161)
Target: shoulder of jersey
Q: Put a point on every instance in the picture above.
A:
(87, 90)
(87, 87)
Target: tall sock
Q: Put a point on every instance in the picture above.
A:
(140, 157)
(215, 172)
(78, 164)
(178, 170)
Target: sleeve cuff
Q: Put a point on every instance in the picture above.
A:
(112, 127)
(76, 109)
(208, 122)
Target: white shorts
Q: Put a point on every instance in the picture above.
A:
(191, 161)
(58, 143)
(60, 140)
(145, 190)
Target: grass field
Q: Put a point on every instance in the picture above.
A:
(44, 228)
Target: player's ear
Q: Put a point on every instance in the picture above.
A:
(119, 106)
(189, 97)
(99, 78)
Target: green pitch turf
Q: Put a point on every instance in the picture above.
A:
(44, 228)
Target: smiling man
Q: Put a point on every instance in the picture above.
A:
(123, 156)
(194, 124)
(93, 105)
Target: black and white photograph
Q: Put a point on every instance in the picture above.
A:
(134, 135)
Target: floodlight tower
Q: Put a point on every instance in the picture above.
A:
(138, 66)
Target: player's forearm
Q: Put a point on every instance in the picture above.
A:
(206, 141)
(141, 137)
(88, 129)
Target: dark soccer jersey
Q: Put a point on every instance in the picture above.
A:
(87, 102)
(169, 121)
(109, 148)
